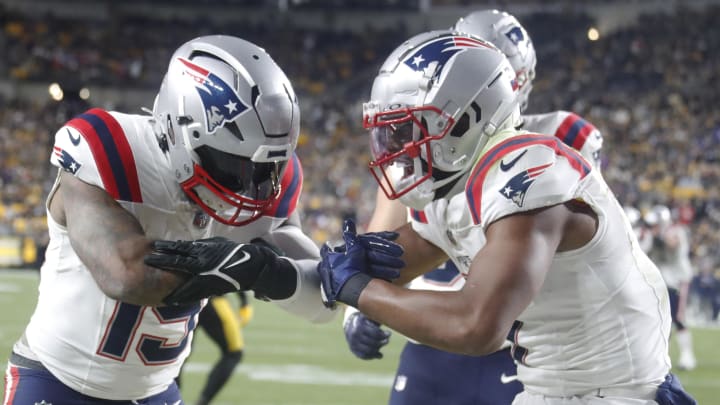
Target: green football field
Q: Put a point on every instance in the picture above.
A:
(291, 362)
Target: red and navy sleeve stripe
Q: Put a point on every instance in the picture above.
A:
(473, 191)
(291, 185)
(418, 216)
(574, 131)
(112, 153)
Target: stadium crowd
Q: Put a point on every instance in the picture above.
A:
(650, 88)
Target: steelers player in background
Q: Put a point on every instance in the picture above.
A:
(223, 324)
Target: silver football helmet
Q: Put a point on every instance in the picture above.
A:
(434, 104)
(231, 120)
(505, 31)
(658, 216)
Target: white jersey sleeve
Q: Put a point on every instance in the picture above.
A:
(302, 252)
(521, 174)
(94, 147)
(571, 129)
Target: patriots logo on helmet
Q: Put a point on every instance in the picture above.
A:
(516, 188)
(220, 102)
(515, 35)
(436, 53)
(65, 160)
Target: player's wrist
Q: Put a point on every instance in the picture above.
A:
(277, 280)
(353, 287)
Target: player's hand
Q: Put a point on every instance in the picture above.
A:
(357, 261)
(364, 336)
(214, 266)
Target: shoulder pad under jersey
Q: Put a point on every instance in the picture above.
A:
(570, 128)
(523, 173)
(95, 148)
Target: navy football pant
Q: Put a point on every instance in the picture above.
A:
(428, 376)
(674, 303)
(26, 386)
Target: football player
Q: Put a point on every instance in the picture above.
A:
(521, 215)
(416, 384)
(151, 214)
(670, 250)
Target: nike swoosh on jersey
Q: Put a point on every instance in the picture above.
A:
(505, 379)
(507, 166)
(75, 141)
(246, 257)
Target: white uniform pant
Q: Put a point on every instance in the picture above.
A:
(641, 396)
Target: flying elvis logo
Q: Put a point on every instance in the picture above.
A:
(220, 102)
(65, 160)
(516, 188)
(436, 53)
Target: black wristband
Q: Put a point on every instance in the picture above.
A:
(350, 291)
(276, 281)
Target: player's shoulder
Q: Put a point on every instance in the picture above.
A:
(101, 125)
(522, 171)
(572, 129)
(565, 125)
(102, 148)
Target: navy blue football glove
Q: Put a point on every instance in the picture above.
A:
(347, 269)
(671, 392)
(364, 336)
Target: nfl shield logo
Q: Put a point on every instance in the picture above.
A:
(201, 220)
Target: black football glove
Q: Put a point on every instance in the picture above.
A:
(217, 266)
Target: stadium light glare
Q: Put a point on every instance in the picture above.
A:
(84, 93)
(593, 34)
(55, 91)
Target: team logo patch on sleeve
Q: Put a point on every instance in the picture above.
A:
(66, 161)
(516, 188)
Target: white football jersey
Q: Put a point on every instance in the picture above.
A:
(570, 128)
(92, 343)
(674, 263)
(602, 317)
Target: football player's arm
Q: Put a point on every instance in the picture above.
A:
(420, 256)
(364, 336)
(505, 276)
(388, 214)
(391, 215)
(302, 252)
(111, 243)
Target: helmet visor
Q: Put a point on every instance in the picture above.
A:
(400, 144)
(254, 180)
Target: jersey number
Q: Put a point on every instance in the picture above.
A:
(518, 352)
(153, 350)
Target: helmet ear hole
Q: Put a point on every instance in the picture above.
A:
(462, 126)
(196, 134)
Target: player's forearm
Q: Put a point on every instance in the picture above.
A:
(441, 319)
(115, 259)
(420, 255)
(306, 301)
